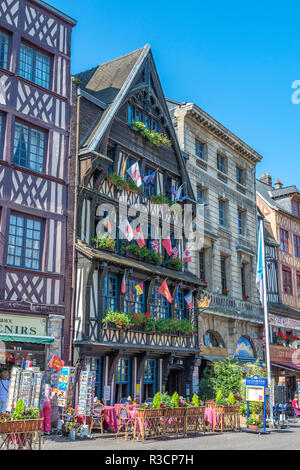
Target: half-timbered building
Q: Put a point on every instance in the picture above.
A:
(35, 85)
(112, 99)
(280, 207)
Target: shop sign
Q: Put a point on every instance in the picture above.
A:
(244, 349)
(284, 322)
(22, 325)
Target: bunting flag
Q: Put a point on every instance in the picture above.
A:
(155, 246)
(164, 291)
(187, 256)
(135, 175)
(175, 253)
(167, 244)
(56, 363)
(126, 229)
(189, 299)
(148, 179)
(123, 287)
(140, 288)
(139, 237)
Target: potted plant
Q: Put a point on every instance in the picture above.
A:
(254, 423)
(104, 242)
(246, 298)
(225, 292)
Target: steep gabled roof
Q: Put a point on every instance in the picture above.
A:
(111, 83)
(105, 81)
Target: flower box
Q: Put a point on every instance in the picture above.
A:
(194, 410)
(174, 412)
(22, 425)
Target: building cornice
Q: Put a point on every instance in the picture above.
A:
(219, 131)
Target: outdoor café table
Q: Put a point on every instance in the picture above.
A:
(110, 418)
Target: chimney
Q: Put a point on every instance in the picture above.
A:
(267, 179)
(278, 184)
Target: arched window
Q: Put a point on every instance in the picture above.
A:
(212, 339)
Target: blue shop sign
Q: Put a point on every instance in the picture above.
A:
(256, 380)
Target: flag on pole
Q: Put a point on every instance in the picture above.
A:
(189, 299)
(123, 288)
(179, 194)
(126, 229)
(149, 179)
(107, 224)
(135, 175)
(155, 246)
(175, 253)
(123, 170)
(140, 288)
(187, 256)
(167, 244)
(164, 291)
(139, 237)
(259, 270)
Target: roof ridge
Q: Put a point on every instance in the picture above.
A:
(122, 56)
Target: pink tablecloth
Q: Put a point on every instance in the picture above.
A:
(110, 417)
(212, 417)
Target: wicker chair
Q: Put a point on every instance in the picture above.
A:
(125, 422)
(97, 418)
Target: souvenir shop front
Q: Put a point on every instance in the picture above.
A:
(139, 374)
(24, 340)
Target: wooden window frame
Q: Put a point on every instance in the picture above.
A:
(284, 241)
(287, 283)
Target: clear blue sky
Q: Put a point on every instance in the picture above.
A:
(236, 60)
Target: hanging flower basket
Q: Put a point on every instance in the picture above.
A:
(225, 292)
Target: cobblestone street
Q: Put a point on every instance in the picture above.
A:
(279, 439)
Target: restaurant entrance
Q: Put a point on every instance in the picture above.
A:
(175, 382)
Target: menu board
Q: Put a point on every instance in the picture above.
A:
(65, 387)
(86, 393)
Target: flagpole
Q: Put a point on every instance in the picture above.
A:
(267, 330)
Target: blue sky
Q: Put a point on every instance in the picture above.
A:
(236, 60)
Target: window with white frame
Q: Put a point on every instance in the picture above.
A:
(35, 66)
(30, 147)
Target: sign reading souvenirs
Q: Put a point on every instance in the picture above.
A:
(22, 325)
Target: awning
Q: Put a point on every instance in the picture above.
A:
(27, 339)
(214, 358)
(287, 365)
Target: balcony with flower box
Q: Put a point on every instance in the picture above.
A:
(138, 330)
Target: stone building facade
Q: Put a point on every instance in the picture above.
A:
(222, 171)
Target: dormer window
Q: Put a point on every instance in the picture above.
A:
(296, 208)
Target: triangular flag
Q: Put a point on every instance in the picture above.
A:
(135, 175)
(139, 237)
(167, 244)
(126, 229)
(140, 288)
(164, 291)
(189, 299)
(123, 287)
(187, 256)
